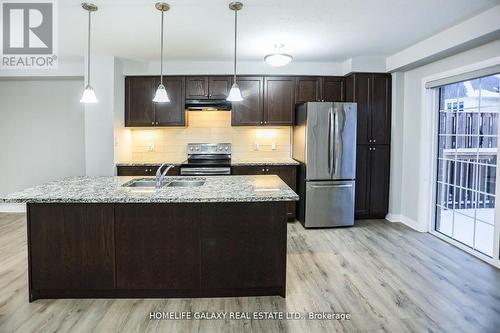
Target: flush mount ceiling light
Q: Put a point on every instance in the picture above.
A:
(278, 59)
(161, 95)
(88, 95)
(235, 93)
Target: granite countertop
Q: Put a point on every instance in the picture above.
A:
(110, 190)
(234, 161)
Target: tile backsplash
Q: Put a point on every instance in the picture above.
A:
(167, 144)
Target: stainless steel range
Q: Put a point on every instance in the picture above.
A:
(207, 159)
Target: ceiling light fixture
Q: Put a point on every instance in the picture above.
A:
(88, 95)
(235, 93)
(278, 59)
(161, 95)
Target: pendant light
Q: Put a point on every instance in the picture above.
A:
(161, 95)
(88, 95)
(278, 59)
(235, 93)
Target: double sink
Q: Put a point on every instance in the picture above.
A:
(151, 183)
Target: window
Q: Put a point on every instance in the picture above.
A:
(467, 161)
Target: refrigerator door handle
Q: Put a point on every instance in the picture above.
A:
(332, 139)
(323, 186)
(330, 142)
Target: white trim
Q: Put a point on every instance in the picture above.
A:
(483, 257)
(12, 208)
(406, 221)
(428, 143)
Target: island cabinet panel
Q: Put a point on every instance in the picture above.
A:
(250, 111)
(70, 247)
(144, 170)
(157, 246)
(243, 250)
(279, 100)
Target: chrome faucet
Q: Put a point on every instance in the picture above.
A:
(161, 175)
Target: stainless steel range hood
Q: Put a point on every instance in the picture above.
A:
(208, 105)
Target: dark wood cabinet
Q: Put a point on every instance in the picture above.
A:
(172, 113)
(141, 111)
(139, 106)
(207, 87)
(362, 202)
(287, 173)
(320, 89)
(197, 87)
(372, 93)
(250, 111)
(232, 256)
(71, 246)
(333, 89)
(279, 100)
(308, 89)
(372, 181)
(219, 86)
(380, 120)
(144, 170)
(147, 231)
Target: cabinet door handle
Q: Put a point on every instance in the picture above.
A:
(267, 170)
(373, 148)
(374, 141)
(263, 170)
(157, 123)
(152, 123)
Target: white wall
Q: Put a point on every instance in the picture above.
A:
(409, 197)
(100, 118)
(41, 132)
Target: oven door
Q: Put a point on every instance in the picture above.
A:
(208, 171)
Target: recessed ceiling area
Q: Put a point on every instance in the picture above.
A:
(312, 31)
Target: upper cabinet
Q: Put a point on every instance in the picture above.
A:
(372, 93)
(333, 89)
(219, 86)
(279, 100)
(207, 87)
(141, 111)
(172, 113)
(197, 87)
(307, 89)
(266, 101)
(319, 89)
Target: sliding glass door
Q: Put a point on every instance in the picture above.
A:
(467, 162)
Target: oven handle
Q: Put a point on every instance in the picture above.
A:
(205, 171)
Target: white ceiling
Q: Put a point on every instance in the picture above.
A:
(312, 30)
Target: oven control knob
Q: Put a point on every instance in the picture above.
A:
(197, 148)
(190, 148)
(226, 148)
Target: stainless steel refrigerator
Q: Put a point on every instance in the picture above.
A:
(324, 142)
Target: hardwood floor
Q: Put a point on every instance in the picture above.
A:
(388, 277)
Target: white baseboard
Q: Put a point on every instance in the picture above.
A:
(13, 208)
(406, 221)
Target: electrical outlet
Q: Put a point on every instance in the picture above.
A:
(256, 146)
(273, 146)
(151, 147)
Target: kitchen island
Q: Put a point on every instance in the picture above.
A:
(92, 237)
